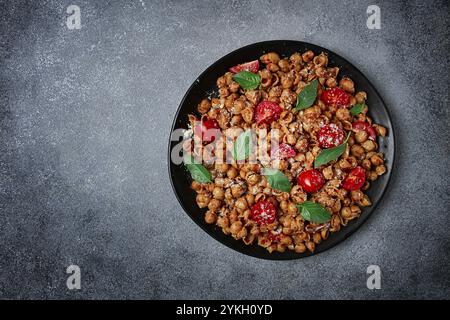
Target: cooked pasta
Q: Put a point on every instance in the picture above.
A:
(240, 199)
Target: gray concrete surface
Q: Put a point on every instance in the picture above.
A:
(85, 118)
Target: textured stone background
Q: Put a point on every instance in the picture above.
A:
(85, 117)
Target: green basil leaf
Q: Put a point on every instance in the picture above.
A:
(247, 80)
(242, 146)
(307, 96)
(277, 179)
(313, 212)
(357, 109)
(198, 172)
(331, 154)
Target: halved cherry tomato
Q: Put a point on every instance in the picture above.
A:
(274, 237)
(310, 180)
(206, 130)
(365, 126)
(355, 179)
(336, 97)
(283, 151)
(252, 66)
(330, 135)
(263, 212)
(267, 111)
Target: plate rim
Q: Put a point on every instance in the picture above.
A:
(271, 256)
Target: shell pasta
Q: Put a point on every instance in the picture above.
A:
(321, 151)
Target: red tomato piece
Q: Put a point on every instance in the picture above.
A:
(263, 212)
(267, 111)
(283, 151)
(365, 126)
(252, 66)
(355, 179)
(336, 97)
(330, 135)
(310, 180)
(206, 130)
(274, 237)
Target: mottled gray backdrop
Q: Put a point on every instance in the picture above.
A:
(85, 117)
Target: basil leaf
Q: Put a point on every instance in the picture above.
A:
(313, 212)
(328, 155)
(307, 96)
(247, 80)
(242, 146)
(198, 172)
(277, 179)
(357, 109)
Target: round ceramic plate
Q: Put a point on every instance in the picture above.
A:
(205, 84)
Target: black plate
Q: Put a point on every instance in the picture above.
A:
(206, 83)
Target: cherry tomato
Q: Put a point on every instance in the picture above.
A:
(283, 151)
(274, 237)
(355, 179)
(330, 135)
(267, 111)
(263, 212)
(205, 130)
(365, 126)
(252, 66)
(310, 180)
(336, 97)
